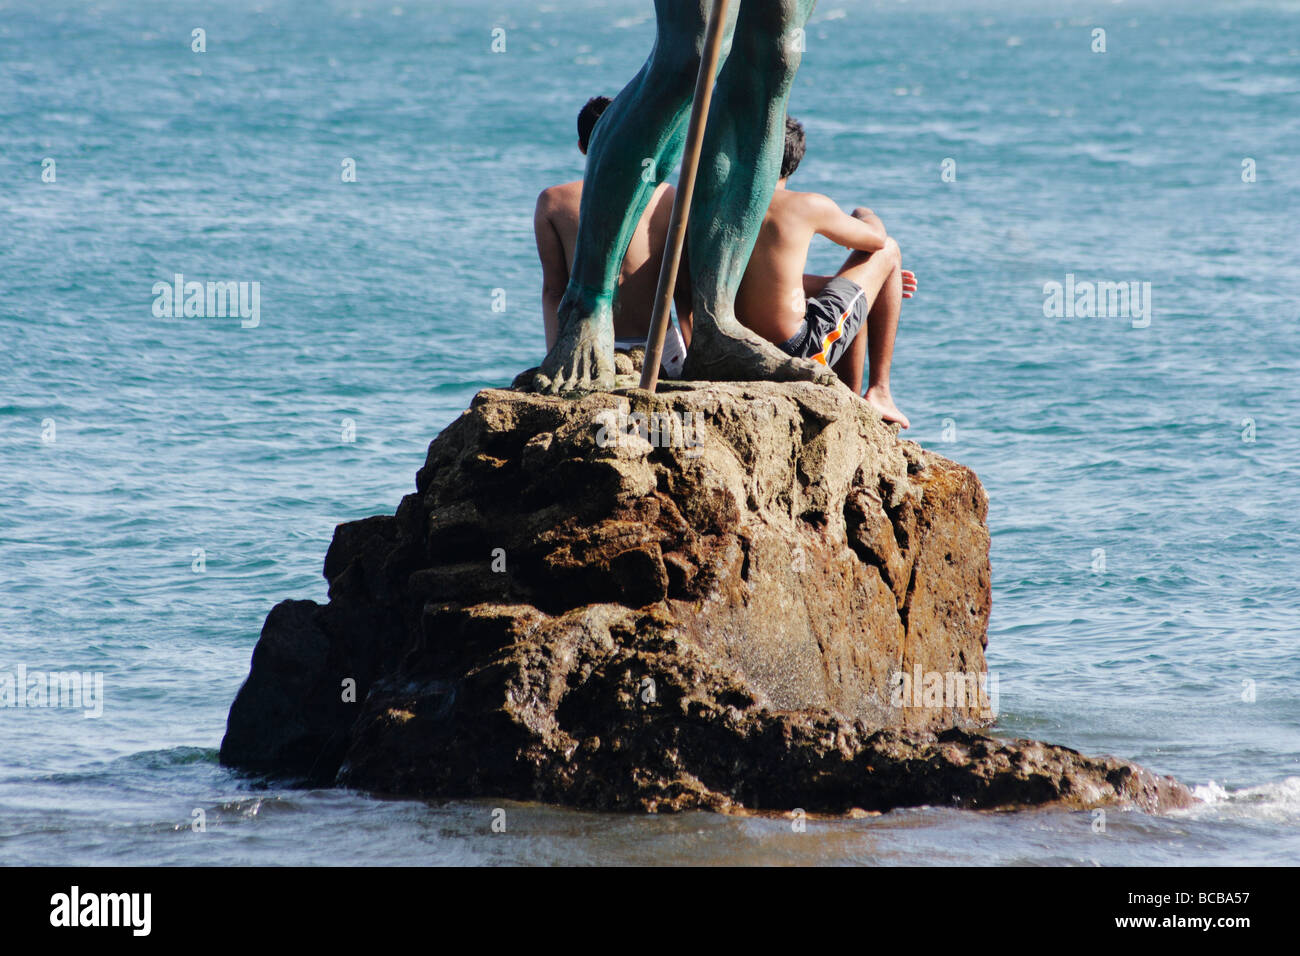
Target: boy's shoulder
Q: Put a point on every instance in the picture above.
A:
(808, 207)
(560, 197)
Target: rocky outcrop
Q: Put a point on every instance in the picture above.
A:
(725, 596)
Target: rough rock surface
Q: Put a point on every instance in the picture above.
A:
(708, 606)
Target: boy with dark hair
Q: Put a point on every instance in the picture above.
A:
(587, 117)
(555, 227)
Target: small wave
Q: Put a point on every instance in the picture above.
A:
(253, 808)
(172, 757)
(636, 20)
(1274, 802)
(1254, 85)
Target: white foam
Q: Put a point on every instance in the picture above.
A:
(1278, 801)
(1210, 792)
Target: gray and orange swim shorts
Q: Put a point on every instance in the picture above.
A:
(832, 320)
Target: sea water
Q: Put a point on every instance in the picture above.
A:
(370, 169)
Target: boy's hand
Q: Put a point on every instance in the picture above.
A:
(909, 284)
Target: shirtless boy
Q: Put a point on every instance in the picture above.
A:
(821, 317)
(555, 225)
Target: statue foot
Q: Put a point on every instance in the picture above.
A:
(728, 352)
(583, 357)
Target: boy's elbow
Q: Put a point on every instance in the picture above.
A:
(863, 214)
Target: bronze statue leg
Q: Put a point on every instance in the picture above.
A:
(740, 164)
(635, 146)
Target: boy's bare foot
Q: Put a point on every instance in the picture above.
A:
(880, 399)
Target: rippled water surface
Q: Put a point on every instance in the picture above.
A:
(1145, 506)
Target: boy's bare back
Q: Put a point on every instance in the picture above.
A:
(556, 226)
(771, 300)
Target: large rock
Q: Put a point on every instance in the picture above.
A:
(701, 598)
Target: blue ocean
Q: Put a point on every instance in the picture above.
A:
(372, 167)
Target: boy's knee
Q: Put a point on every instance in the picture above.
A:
(892, 252)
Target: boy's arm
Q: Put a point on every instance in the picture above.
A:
(862, 231)
(555, 272)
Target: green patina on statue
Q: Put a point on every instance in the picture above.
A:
(739, 167)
